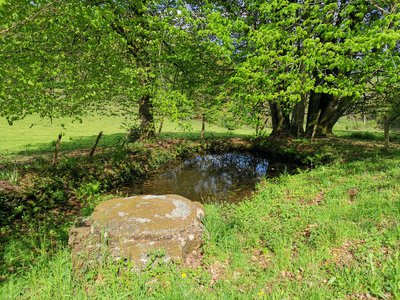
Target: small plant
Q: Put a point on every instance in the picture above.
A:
(88, 190)
(321, 157)
(11, 176)
(89, 194)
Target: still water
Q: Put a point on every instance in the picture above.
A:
(228, 177)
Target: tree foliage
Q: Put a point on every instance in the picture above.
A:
(306, 63)
(68, 58)
(326, 53)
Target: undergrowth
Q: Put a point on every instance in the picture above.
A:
(331, 232)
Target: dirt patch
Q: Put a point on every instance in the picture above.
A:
(8, 188)
(309, 229)
(368, 296)
(343, 256)
(261, 259)
(317, 200)
(217, 271)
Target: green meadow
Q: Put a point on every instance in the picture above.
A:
(34, 135)
(329, 232)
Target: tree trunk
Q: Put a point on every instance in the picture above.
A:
(161, 126)
(313, 113)
(280, 120)
(258, 126)
(147, 128)
(315, 126)
(297, 126)
(323, 112)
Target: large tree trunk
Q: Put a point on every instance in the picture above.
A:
(280, 120)
(313, 114)
(147, 127)
(324, 111)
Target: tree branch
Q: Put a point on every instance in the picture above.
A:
(27, 20)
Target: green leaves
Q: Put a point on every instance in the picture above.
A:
(63, 58)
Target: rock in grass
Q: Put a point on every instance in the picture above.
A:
(137, 227)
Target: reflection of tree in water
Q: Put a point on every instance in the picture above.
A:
(210, 176)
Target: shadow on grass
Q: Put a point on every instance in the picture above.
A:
(366, 135)
(353, 149)
(29, 243)
(113, 140)
(74, 144)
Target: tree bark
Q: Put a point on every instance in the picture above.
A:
(280, 120)
(323, 112)
(313, 113)
(297, 126)
(161, 126)
(147, 127)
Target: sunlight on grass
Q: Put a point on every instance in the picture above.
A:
(34, 134)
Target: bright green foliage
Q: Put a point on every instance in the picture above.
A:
(286, 49)
(69, 58)
(58, 58)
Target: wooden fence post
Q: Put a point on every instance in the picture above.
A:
(386, 131)
(203, 126)
(95, 144)
(57, 149)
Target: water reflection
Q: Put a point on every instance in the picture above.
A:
(218, 177)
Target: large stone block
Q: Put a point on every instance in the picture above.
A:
(132, 228)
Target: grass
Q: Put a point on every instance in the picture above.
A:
(332, 232)
(354, 124)
(298, 237)
(33, 135)
(355, 129)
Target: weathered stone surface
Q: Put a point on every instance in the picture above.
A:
(131, 228)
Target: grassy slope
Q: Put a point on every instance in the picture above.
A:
(299, 237)
(34, 135)
(23, 138)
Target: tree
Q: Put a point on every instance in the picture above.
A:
(71, 57)
(298, 54)
(306, 62)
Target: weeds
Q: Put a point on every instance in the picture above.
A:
(10, 175)
(329, 232)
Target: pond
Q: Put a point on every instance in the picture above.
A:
(228, 177)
